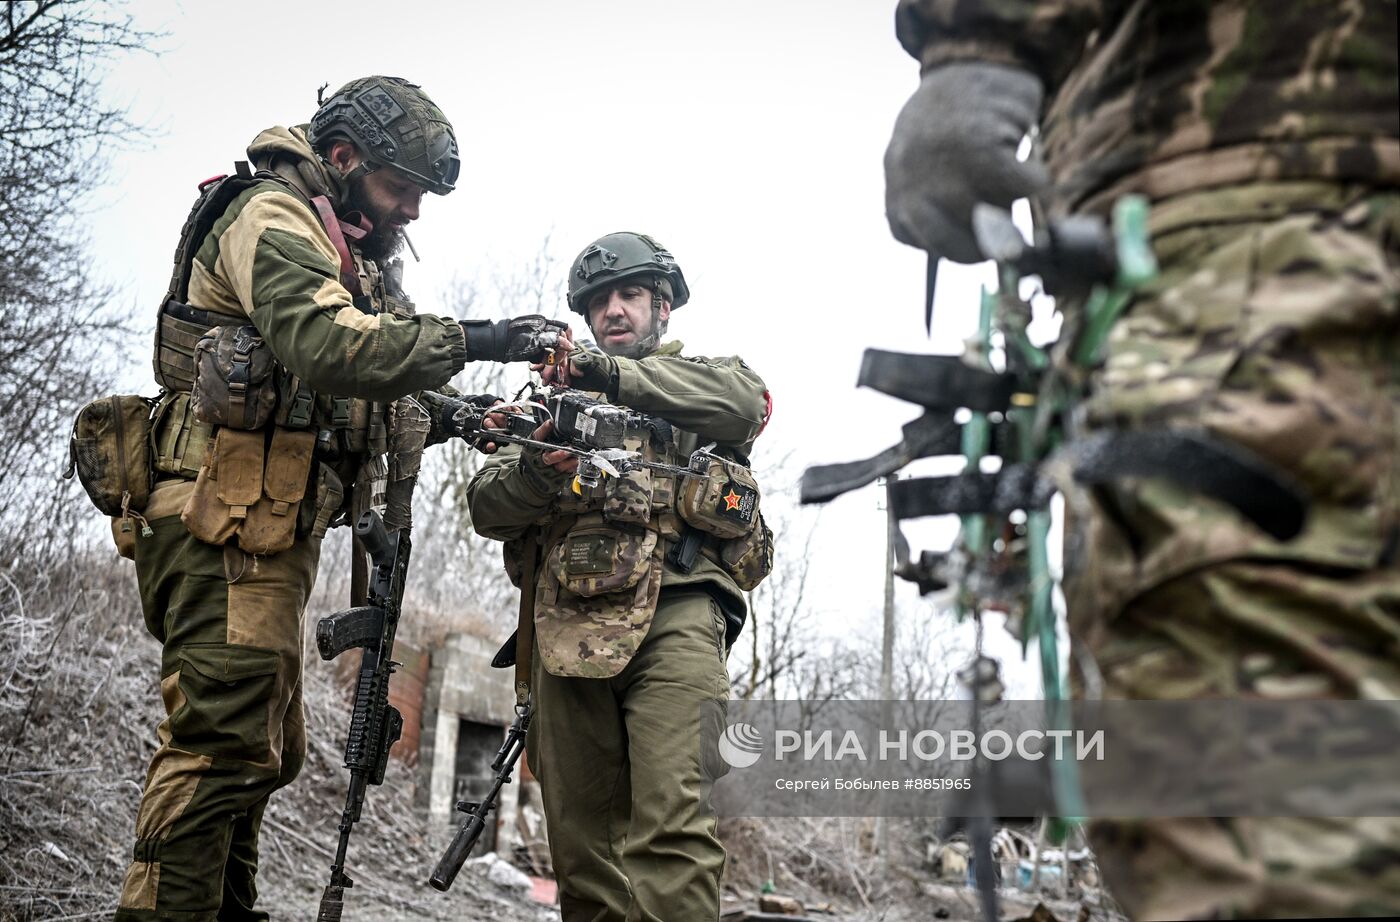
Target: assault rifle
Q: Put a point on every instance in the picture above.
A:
(479, 811)
(375, 725)
(1024, 415)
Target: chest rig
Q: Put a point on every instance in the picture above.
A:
(330, 445)
(603, 551)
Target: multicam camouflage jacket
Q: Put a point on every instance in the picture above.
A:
(603, 561)
(1166, 98)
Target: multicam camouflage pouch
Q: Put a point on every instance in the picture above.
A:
(749, 559)
(724, 502)
(594, 633)
(110, 451)
(596, 559)
(234, 380)
(629, 498)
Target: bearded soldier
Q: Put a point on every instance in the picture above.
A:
(631, 641)
(284, 349)
(1267, 137)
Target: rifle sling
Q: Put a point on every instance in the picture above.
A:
(525, 630)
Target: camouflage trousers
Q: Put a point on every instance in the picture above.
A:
(1275, 323)
(230, 626)
(622, 775)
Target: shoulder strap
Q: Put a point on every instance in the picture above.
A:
(215, 195)
(525, 628)
(337, 230)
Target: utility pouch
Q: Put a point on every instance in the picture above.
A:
(234, 384)
(296, 403)
(596, 597)
(596, 559)
(749, 558)
(722, 503)
(315, 520)
(271, 522)
(180, 441)
(110, 450)
(628, 498)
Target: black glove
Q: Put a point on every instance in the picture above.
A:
(455, 415)
(594, 371)
(519, 339)
(954, 145)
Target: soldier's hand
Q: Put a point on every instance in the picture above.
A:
(593, 370)
(565, 462)
(556, 371)
(528, 338)
(954, 145)
(490, 421)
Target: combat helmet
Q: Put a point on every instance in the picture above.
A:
(394, 124)
(621, 256)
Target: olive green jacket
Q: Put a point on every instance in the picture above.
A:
(717, 400)
(269, 258)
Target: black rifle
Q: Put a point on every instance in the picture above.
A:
(375, 725)
(479, 811)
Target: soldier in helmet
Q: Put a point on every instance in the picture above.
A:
(1267, 137)
(285, 350)
(628, 652)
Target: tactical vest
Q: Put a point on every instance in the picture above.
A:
(316, 442)
(603, 551)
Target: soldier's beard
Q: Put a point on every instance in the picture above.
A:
(641, 347)
(383, 242)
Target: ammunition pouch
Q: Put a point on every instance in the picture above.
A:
(315, 519)
(628, 499)
(180, 440)
(234, 380)
(110, 450)
(251, 487)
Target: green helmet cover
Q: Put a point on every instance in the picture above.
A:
(619, 257)
(394, 124)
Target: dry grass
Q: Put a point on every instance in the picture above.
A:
(79, 704)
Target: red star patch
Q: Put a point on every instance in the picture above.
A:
(731, 501)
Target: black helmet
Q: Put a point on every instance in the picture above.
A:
(394, 124)
(621, 256)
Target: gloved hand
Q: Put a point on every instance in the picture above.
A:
(528, 338)
(592, 370)
(954, 145)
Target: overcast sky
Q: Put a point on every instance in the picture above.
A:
(747, 137)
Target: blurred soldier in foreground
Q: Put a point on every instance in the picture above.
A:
(631, 633)
(1267, 136)
(283, 348)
